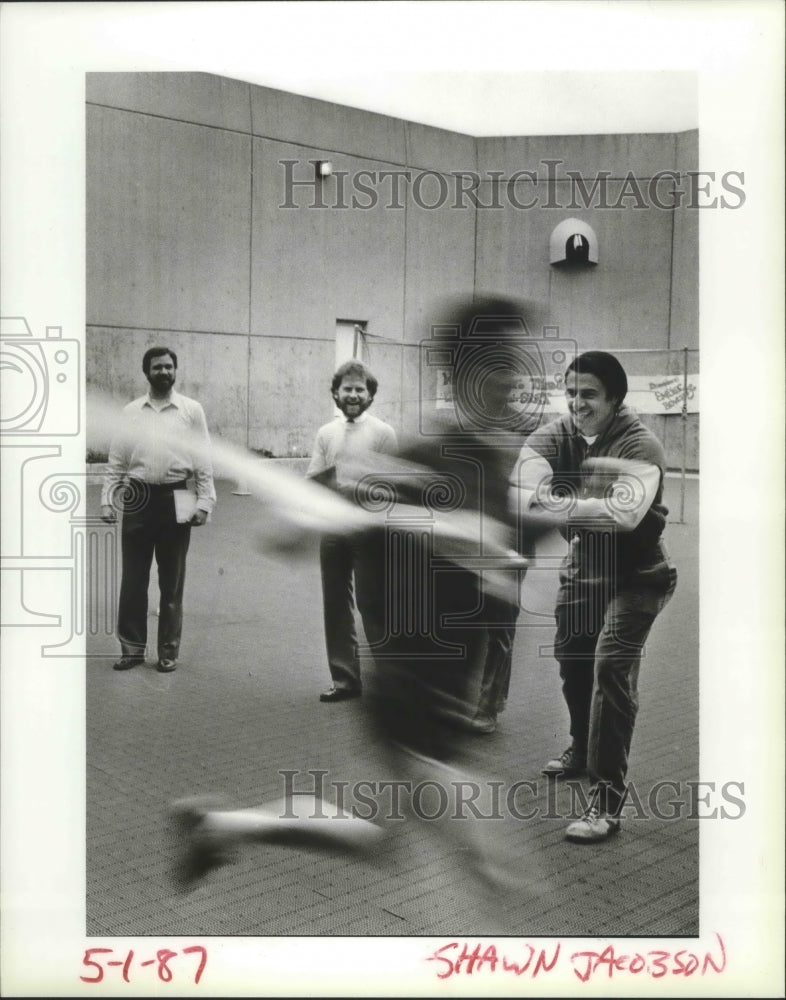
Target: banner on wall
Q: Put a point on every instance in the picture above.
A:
(665, 394)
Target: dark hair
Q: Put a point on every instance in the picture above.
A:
(354, 367)
(606, 369)
(156, 352)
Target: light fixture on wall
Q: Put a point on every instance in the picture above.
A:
(574, 244)
(324, 168)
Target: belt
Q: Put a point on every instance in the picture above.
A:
(160, 487)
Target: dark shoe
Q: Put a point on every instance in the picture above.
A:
(127, 662)
(200, 850)
(166, 666)
(570, 764)
(593, 826)
(340, 694)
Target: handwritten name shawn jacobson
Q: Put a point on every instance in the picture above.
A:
(456, 958)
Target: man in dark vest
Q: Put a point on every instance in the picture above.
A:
(597, 473)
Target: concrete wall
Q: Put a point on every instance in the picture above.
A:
(644, 292)
(188, 245)
(196, 240)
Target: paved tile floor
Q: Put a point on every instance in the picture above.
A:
(244, 705)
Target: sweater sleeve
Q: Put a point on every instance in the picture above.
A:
(622, 490)
(388, 442)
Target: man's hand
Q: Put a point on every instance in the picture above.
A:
(199, 517)
(108, 513)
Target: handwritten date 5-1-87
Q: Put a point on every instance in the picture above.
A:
(96, 958)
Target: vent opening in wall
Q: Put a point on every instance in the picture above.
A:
(573, 244)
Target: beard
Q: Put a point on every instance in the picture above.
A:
(161, 383)
(354, 410)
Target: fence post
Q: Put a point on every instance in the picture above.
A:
(684, 431)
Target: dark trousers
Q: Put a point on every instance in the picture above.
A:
(338, 558)
(601, 631)
(150, 529)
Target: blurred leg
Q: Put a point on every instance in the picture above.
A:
(501, 617)
(425, 655)
(209, 833)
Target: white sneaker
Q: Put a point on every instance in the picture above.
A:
(569, 764)
(592, 827)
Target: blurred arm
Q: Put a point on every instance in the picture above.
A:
(318, 463)
(390, 443)
(203, 468)
(116, 470)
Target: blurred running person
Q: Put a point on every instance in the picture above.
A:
(435, 545)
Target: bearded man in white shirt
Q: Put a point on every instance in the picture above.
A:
(162, 444)
(344, 438)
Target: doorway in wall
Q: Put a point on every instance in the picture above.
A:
(350, 340)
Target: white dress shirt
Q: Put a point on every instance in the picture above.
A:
(342, 439)
(162, 441)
